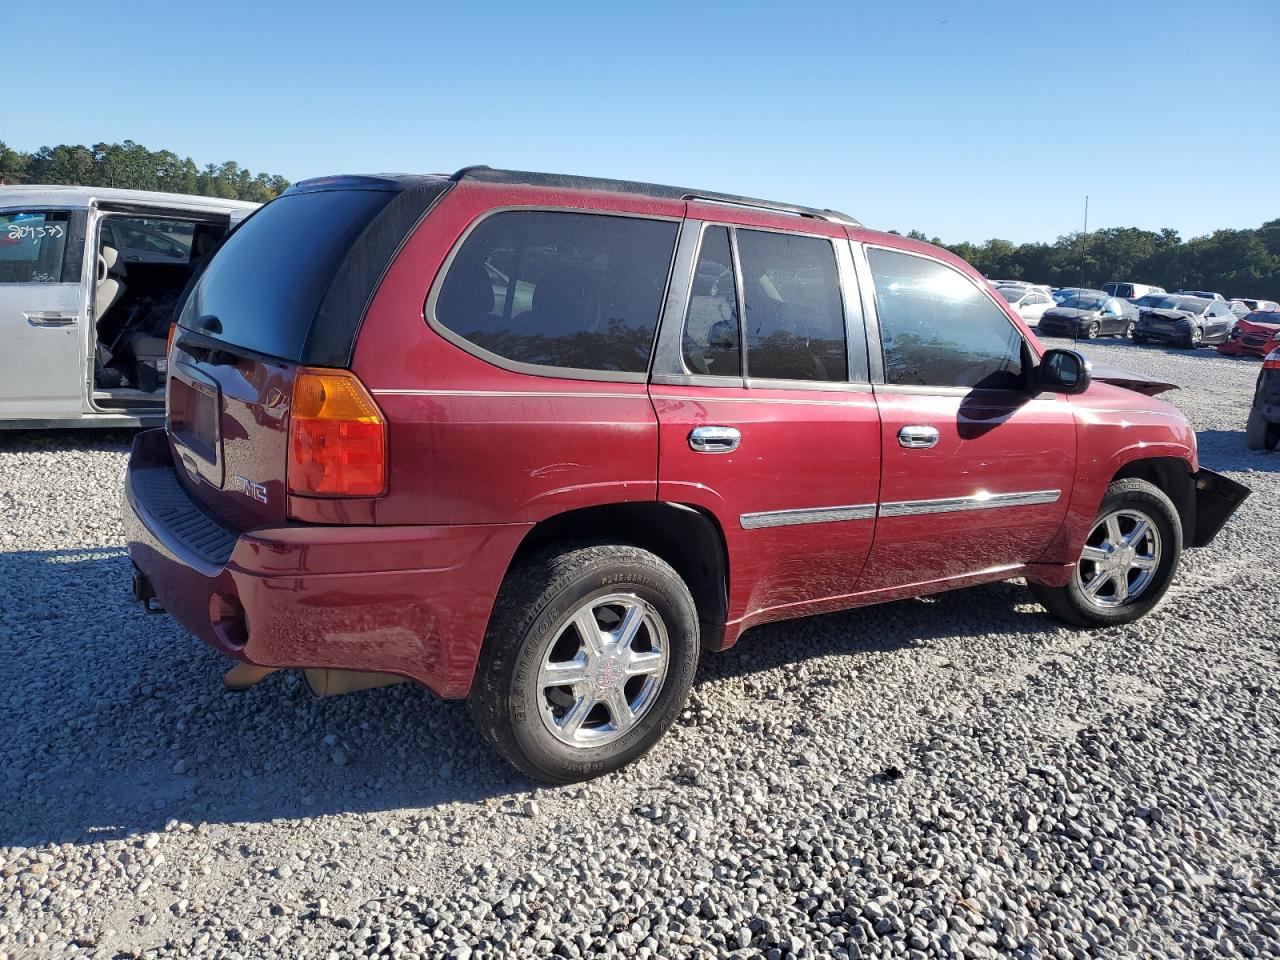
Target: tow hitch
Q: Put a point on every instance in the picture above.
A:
(144, 593)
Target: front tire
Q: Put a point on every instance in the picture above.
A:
(1128, 330)
(1094, 329)
(1197, 338)
(1127, 563)
(587, 661)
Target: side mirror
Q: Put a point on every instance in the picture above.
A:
(1065, 371)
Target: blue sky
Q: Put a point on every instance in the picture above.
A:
(965, 120)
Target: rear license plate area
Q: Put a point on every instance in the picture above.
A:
(195, 407)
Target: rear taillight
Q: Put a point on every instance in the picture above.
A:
(1272, 361)
(337, 437)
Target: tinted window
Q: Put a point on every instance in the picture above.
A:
(938, 329)
(265, 284)
(711, 337)
(32, 247)
(574, 290)
(794, 317)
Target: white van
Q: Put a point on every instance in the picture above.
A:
(89, 278)
(1130, 291)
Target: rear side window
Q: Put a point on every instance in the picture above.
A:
(794, 316)
(33, 246)
(711, 331)
(575, 291)
(263, 288)
(938, 329)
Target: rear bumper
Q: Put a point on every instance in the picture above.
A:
(1217, 498)
(407, 600)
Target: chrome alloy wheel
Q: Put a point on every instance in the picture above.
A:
(603, 671)
(1119, 559)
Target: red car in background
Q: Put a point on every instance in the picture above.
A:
(1254, 336)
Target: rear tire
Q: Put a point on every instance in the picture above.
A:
(1260, 434)
(1124, 570)
(617, 700)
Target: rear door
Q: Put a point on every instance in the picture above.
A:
(977, 470)
(766, 416)
(42, 314)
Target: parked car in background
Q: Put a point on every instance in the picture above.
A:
(1089, 314)
(1253, 336)
(1130, 291)
(374, 468)
(89, 279)
(1205, 294)
(1262, 430)
(1183, 321)
(1251, 306)
(1029, 303)
(1066, 293)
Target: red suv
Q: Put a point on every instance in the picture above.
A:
(536, 440)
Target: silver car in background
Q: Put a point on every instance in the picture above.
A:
(89, 278)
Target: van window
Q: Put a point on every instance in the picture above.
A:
(794, 316)
(711, 335)
(937, 328)
(569, 290)
(33, 246)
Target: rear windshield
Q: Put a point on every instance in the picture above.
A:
(262, 289)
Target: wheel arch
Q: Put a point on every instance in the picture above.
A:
(687, 538)
(1172, 475)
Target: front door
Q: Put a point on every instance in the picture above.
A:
(43, 370)
(766, 418)
(977, 471)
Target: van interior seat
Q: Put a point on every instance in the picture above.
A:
(109, 287)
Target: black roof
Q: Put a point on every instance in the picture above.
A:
(396, 182)
(570, 182)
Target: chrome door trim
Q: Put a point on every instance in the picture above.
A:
(786, 518)
(918, 437)
(978, 501)
(46, 319)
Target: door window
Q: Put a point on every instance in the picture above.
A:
(33, 246)
(567, 290)
(937, 329)
(794, 315)
(711, 335)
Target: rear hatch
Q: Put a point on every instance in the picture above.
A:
(262, 310)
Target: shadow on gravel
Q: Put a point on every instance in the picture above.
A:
(1226, 450)
(116, 720)
(31, 441)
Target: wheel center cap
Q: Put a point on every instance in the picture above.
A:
(606, 671)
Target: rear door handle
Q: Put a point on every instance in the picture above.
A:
(918, 437)
(50, 319)
(714, 439)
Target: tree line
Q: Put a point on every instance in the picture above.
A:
(1235, 263)
(132, 166)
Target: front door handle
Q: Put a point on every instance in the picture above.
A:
(50, 319)
(714, 439)
(918, 437)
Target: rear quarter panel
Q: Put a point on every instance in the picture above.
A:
(472, 442)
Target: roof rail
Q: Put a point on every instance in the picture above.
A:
(569, 182)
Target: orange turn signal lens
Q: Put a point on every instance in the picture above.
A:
(337, 437)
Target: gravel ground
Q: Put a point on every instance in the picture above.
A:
(955, 776)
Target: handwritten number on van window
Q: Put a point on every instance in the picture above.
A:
(22, 231)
